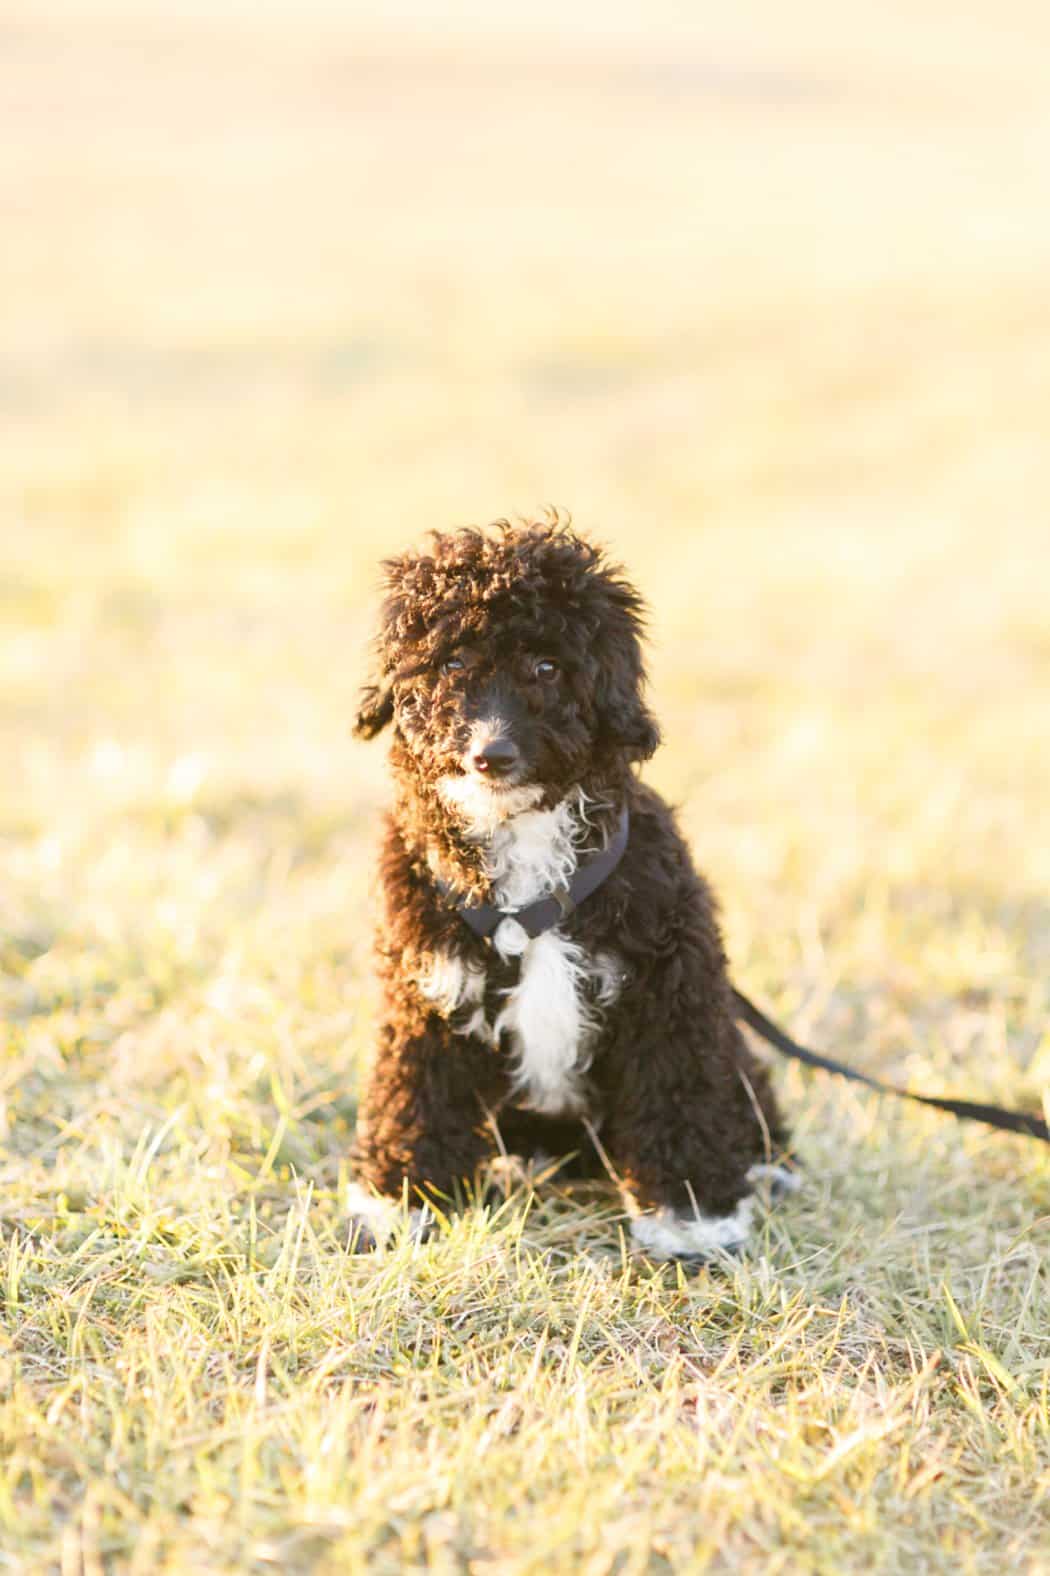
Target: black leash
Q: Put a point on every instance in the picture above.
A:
(1025, 1122)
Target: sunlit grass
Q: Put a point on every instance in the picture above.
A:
(762, 298)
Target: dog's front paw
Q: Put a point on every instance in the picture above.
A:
(375, 1219)
(780, 1179)
(692, 1237)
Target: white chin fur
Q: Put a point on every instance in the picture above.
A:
(484, 808)
(382, 1216)
(664, 1234)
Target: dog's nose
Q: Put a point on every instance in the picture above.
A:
(496, 758)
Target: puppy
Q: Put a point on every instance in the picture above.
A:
(551, 961)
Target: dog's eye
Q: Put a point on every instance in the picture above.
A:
(453, 665)
(545, 669)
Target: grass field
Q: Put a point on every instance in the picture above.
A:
(763, 297)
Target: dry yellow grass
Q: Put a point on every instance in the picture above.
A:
(762, 296)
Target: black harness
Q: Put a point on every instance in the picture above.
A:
(535, 918)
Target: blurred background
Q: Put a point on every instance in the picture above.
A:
(760, 293)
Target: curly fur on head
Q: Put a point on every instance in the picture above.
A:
(508, 664)
(498, 602)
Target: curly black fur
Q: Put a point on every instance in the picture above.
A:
(470, 631)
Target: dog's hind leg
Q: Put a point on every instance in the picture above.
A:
(693, 1116)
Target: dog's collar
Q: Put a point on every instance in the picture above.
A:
(535, 918)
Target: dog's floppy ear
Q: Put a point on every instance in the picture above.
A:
(376, 705)
(626, 721)
(375, 710)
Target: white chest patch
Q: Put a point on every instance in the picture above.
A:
(552, 1014)
(551, 1023)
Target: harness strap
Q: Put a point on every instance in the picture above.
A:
(1026, 1122)
(535, 918)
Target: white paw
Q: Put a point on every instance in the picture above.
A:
(667, 1234)
(781, 1179)
(381, 1217)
